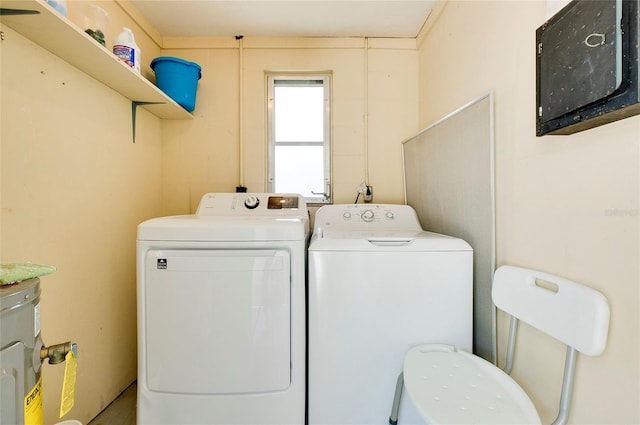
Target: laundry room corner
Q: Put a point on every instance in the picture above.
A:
(74, 188)
(564, 204)
(226, 141)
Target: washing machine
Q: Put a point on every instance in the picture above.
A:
(221, 312)
(378, 285)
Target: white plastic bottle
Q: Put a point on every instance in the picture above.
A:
(126, 49)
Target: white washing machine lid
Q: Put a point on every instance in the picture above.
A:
(397, 241)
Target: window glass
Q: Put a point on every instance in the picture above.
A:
(299, 169)
(299, 114)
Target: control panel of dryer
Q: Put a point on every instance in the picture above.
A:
(213, 204)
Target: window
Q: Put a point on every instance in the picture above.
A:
(299, 135)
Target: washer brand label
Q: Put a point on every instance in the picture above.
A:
(161, 264)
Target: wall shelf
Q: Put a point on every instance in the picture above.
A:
(64, 39)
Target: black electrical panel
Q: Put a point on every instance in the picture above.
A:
(587, 66)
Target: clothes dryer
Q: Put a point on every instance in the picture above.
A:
(378, 285)
(221, 312)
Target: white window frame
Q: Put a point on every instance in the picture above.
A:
(324, 195)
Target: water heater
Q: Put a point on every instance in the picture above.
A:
(22, 353)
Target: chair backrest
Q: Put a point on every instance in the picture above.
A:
(568, 311)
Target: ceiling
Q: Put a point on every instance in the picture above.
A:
(291, 18)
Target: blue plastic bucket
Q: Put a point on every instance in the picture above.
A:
(178, 78)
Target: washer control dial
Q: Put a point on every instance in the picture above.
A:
(346, 215)
(251, 202)
(389, 215)
(367, 216)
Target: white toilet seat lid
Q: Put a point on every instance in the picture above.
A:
(449, 386)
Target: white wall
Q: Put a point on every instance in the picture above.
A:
(567, 205)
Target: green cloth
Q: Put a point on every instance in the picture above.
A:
(17, 272)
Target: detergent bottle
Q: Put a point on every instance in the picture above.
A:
(126, 49)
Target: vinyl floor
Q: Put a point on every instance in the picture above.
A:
(121, 411)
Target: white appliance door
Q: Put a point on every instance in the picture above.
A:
(366, 310)
(217, 321)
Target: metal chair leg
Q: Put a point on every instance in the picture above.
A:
(395, 407)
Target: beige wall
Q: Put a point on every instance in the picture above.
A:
(565, 204)
(204, 155)
(74, 187)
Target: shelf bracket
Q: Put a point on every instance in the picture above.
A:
(134, 107)
(7, 12)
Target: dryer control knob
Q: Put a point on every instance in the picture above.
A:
(368, 216)
(346, 215)
(251, 202)
(389, 215)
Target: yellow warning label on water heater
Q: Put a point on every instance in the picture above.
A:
(69, 384)
(33, 405)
